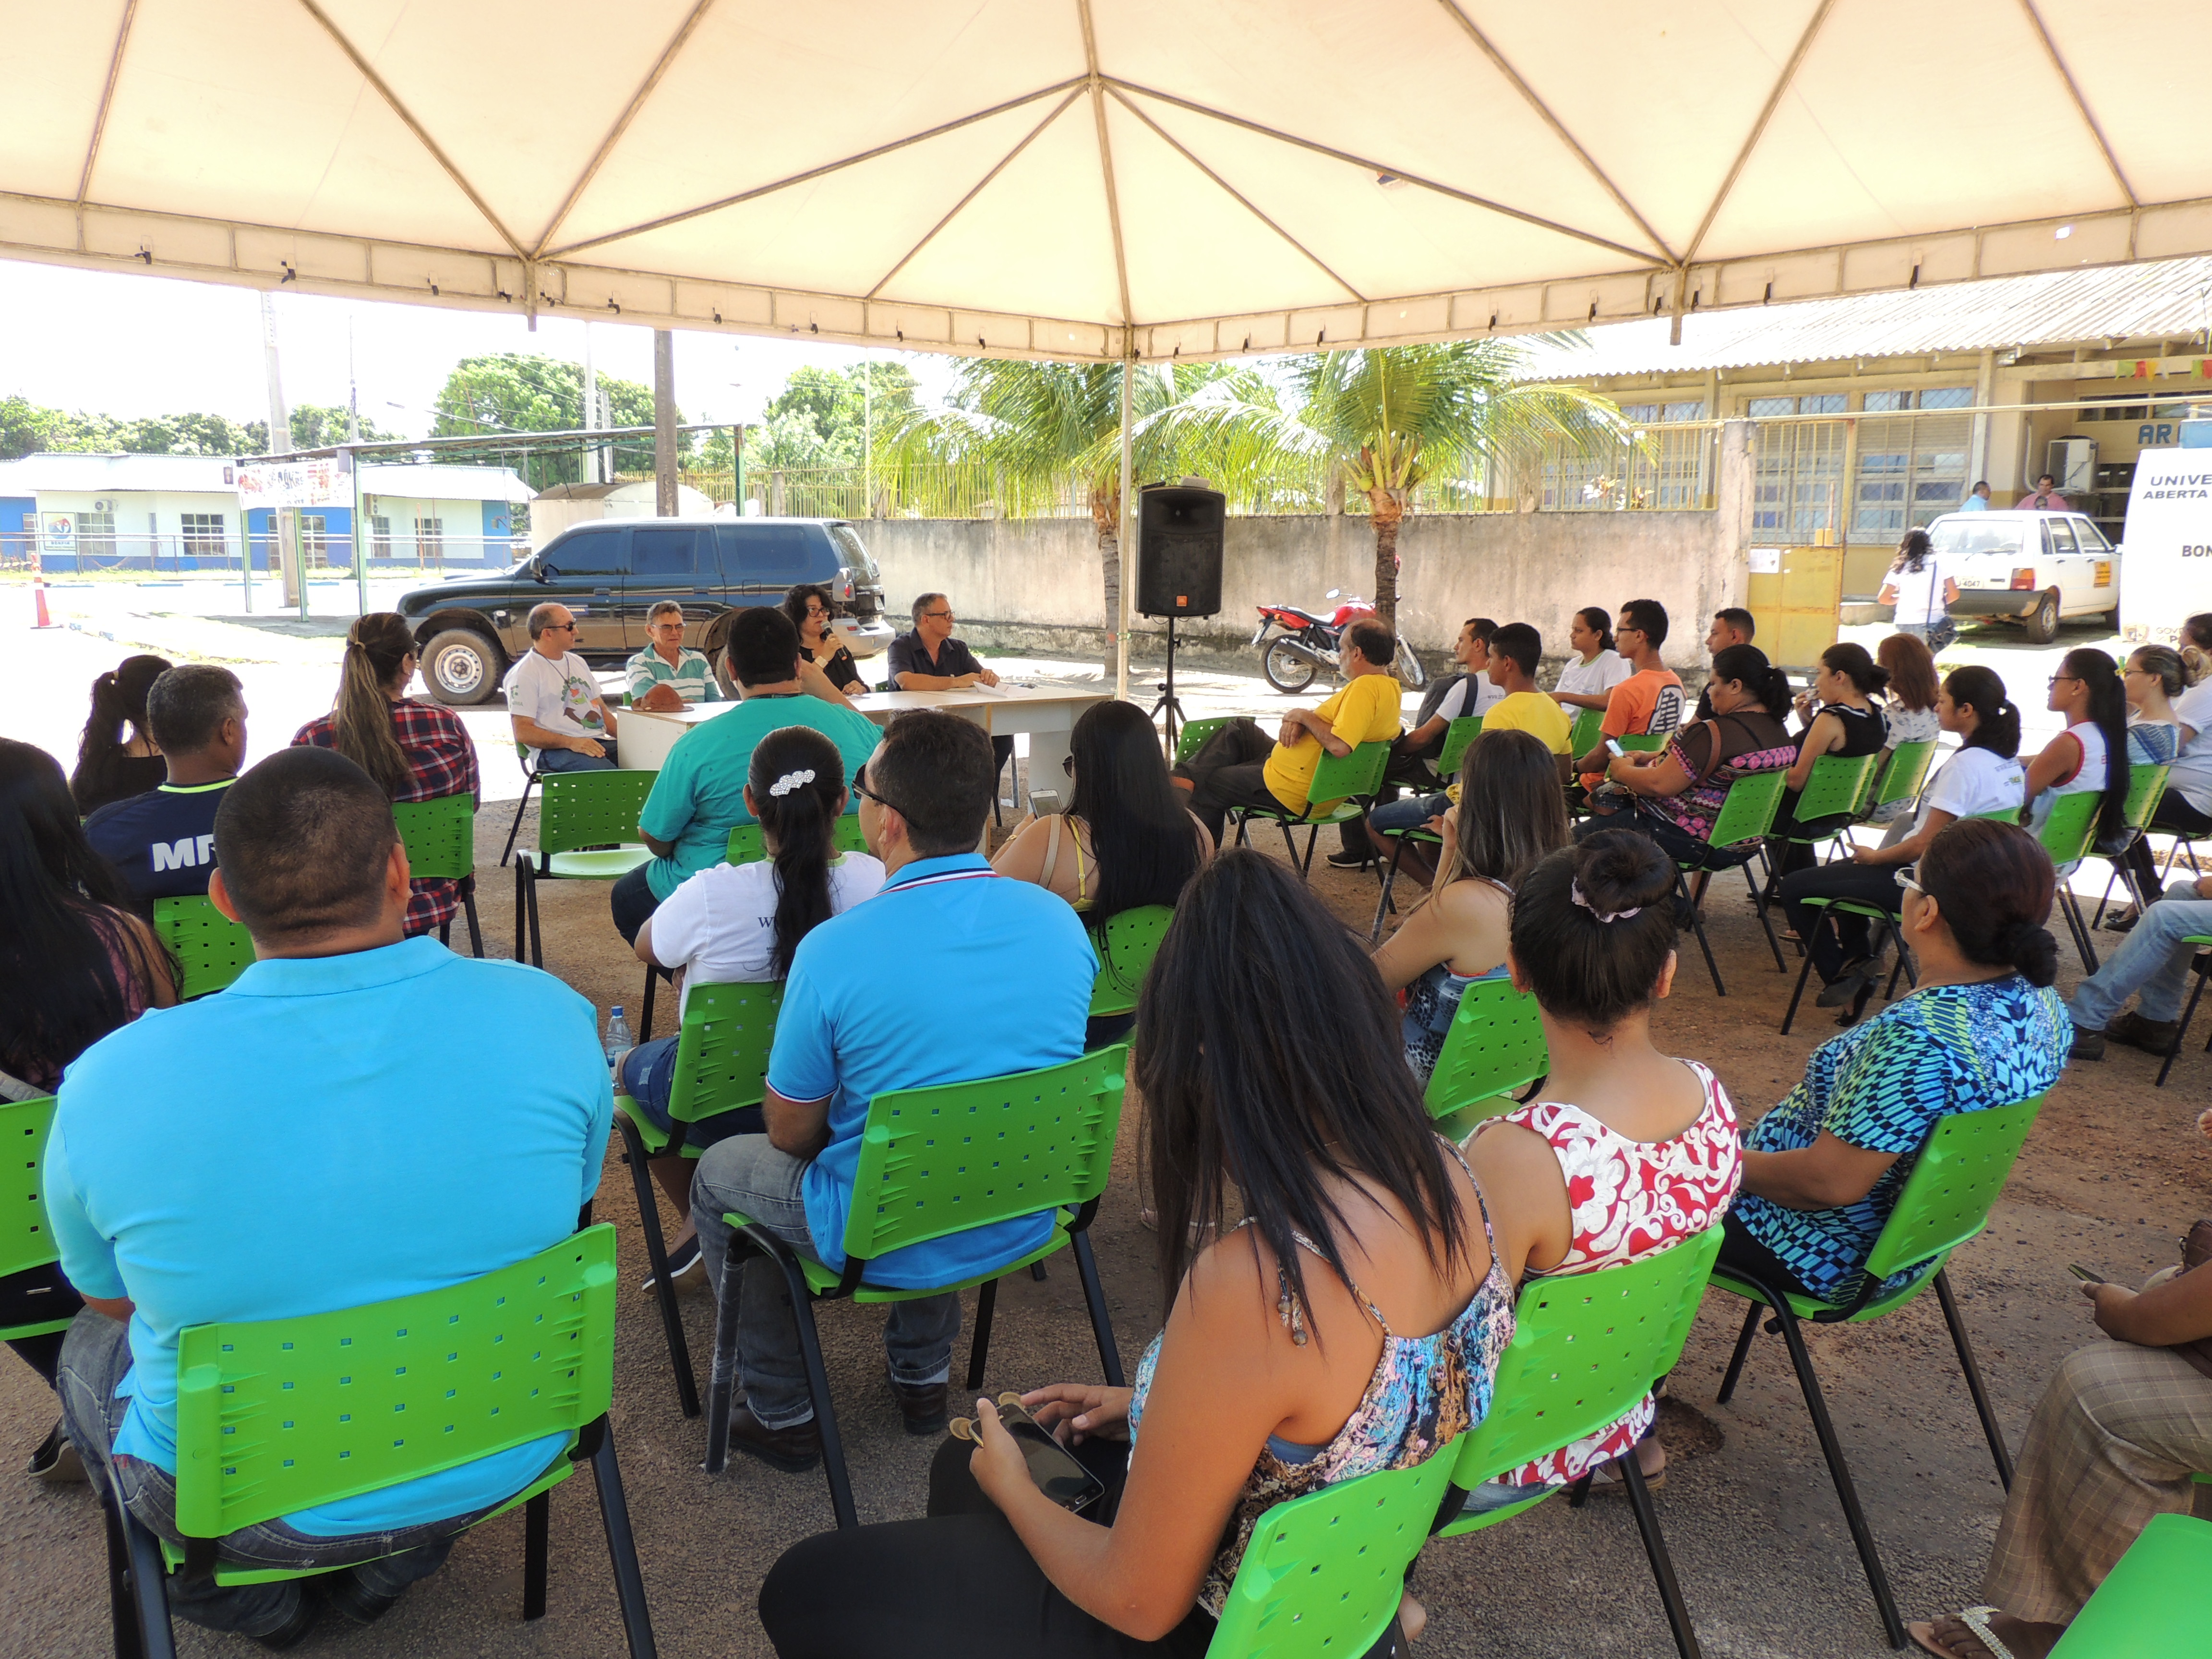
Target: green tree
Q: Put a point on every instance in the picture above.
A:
(528, 392)
(27, 428)
(323, 426)
(1380, 422)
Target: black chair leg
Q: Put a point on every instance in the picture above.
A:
(1662, 1564)
(645, 1013)
(987, 1299)
(1959, 1340)
(1698, 927)
(656, 1254)
(1389, 881)
(621, 1548)
(721, 1376)
(149, 1590)
(1790, 1018)
(468, 909)
(1578, 1493)
(1094, 1297)
(1766, 927)
(122, 1610)
(537, 927)
(2188, 1014)
(528, 783)
(535, 1515)
(1742, 1351)
(522, 934)
(817, 1386)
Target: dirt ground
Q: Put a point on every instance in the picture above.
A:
(2115, 1171)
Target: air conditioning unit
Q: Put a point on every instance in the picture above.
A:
(103, 507)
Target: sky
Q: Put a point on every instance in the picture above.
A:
(110, 344)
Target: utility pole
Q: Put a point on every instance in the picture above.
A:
(664, 423)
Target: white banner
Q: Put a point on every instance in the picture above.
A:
(2166, 568)
(326, 482)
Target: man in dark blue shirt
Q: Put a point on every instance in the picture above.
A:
(162, 842)
(931, 660)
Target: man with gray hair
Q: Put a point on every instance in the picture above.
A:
(554, 701)
(668, 674)
(162, 842)
(931, 660)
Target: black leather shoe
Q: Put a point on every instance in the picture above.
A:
(1844, 987)
(1351, 861)
(925, 1408)
(794, 1451)
(345, 1594)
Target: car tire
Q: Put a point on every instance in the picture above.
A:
(2042, 623)
(462, 667)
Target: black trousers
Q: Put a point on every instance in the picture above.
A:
(1742, 1253)
(1408, 767)
(960, 1584)
(1229, 769)
(2175, 816)
(631, 899)
(1851, 936)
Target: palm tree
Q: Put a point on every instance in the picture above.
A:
(1379, 422)
(1039, 426)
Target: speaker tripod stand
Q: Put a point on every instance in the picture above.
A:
(1168, 702)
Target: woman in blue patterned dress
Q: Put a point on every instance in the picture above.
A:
(1351, 1322)
(1823, 1169)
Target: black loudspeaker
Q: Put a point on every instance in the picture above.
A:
(1179, 529)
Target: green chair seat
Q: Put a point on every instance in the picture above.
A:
(824, 1281)
(602, 864)
(2070, 835)
(26, 1241)
(1904, 774)
(1834, 793)
(2157, 1601)
(1738, 834)
(1587, 732)
(211, 951)
(1886, 926)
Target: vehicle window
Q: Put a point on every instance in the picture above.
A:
(855, 555)
(591, 553)
(769, 553)
(665, 555)
(2092, 539)
(2062, 536)
(1962, 533)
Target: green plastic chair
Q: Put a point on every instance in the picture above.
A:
(1885, 931)
(1495, 1046)
(2156, 1600)
(1351, 780)
(440, 837)
(284, 1414)
(26, 1241)
(1195, 733)
(1586, 1348)
(746, 846)
(935, 1162)
(1587, 732)
(1460, 733)
(1125, 947)
(1831, 799)
(2196, 942)
(210, 949)
(1645, 743)
(1325, 1573)
(2070, 835)
(1904, 775)
(2146, 789)
(1738, 835)
(579, 811)
(722, 1045)
(1956, 1178)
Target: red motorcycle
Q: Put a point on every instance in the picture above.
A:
(1309, 644)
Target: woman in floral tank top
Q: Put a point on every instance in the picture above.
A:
(1628, 1152)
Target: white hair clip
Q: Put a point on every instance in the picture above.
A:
(1574, 892)
(789, 781)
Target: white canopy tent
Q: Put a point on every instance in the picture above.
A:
(1103, 179)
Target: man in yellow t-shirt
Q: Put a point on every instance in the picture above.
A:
(1239, 766)
(1514, 654)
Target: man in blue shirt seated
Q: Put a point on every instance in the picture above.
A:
(287, 1148)
(930, 659)
(699, 796)
(1006, 988)
(162, 842)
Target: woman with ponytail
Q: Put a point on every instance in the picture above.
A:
(111, 767)
(739, 924)
(416, 751)
(1983, 778)
(1822, 1170)
(2090, 756)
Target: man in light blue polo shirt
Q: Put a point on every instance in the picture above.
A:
(997, 979)
(700, 795)
(288, 1147)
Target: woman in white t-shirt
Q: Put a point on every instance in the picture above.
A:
(1594, 667)
(2172, 708)
(1911, 710)
(1983, 780)
(2089, 758)
(736, 924)
(1921, 592)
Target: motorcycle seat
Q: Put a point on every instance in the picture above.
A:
(1303, 616)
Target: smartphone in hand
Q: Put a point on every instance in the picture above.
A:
(1612, 747)
(1057, 1473)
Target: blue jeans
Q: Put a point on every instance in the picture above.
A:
(747, 1174)
(648, 1078)
(1395, 817)
(569, 760)
(2152, 959)
(95, 1356)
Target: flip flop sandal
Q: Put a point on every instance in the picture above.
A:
(1976, 1620)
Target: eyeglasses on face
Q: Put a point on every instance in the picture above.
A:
(937, 616)
(2057, 679)
(1906, 882)
(667, 622)
(861, 787)
(561, 628)
(1067, 764)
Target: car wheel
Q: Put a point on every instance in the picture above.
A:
(1288, 669)
(2042, 624)
(461, 668)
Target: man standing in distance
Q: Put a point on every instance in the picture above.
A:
(2047, 498)
(554, 701)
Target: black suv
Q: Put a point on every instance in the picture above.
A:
(610, 573)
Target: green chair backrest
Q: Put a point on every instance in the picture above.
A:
(721, 1048)
(2145, 784)
(1125, 948)
(2067, 833)
(276, 1415)
(1647, 743)
(1324, 1574)
(1195, 732)
(440, 835)
(2156, 1600)
(1586, 1347)
(591, 809)
(1907, 770)
(746, 846)
(210, 949)
(1587, 731)
(1495, 1045)
(1836, 787)
(941, 1160)
(1337, 777)
(25, 1239)
(1960, 1172)
(1747, 809)
(1460, 733)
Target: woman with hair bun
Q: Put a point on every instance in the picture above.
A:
(111, 767)
(1627, 1151)
(1822, 1170)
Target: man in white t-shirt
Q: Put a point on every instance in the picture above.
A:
(554, 701)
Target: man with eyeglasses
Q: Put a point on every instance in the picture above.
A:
(668, 675)
(555, 703)
(930, 659)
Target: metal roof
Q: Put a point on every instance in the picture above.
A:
(2168, 300)
(72, 471)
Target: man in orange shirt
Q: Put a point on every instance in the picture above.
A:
(1650, 701)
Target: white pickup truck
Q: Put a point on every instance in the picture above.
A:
(2035, 568)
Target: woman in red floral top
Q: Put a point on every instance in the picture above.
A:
(416, 750)
(1640, 1149)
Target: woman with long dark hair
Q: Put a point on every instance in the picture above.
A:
(2090, 756)
(1909, 710)
(2161, 684)
(738, 924)
(1593, 667)
(416, 750)
(75, 964)
(110, 765)
(1839, 717)
(1510, 814)
(1352, 1321)
(1920, 590)
(810, 608)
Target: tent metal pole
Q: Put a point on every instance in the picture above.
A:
(352, 464)
(1121, 528)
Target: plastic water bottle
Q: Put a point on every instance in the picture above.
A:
(619, 1037)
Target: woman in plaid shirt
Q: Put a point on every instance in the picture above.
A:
(416, 750)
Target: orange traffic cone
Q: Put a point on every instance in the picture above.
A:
(39, 589)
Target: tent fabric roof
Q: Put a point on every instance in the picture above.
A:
(1077, 177)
